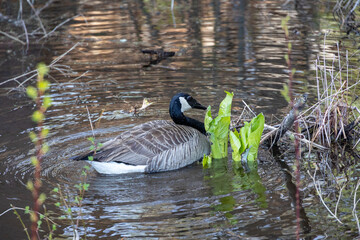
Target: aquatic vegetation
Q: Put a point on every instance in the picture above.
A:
(43, 102)
(248, 138)
(218, 128)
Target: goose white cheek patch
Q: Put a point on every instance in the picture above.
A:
(184, 104)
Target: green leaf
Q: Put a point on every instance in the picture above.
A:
(39, 223)
(235, 145)
(30, 185)
(33, 136)
(90, 158)
(91, 139)
(206, 161)
(45, 148)
(208, 119)
(222, 127)
(53, 227)
(27, 209)
(42, 69)
(44, 132)
(284, 23)
(31, 92)
(56, 190)
(86, 167)
(244, 133)
(219, 137)
(225, 105)
(257, 127)
(47, 102)
(86, 186)
(57, 204)
(41, 198)
(286, 57)
(34, 161)
(218, 128)
(285, 92)
(43, 85)
(37, 116)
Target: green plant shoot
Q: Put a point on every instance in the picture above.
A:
(285, 92)
(248, 137)
(219, 128)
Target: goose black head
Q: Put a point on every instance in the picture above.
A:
(182, 102)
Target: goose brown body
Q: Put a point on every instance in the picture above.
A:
(159, 145)
(155, 146)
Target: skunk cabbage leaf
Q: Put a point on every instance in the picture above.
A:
(218, 128)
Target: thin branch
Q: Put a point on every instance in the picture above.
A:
(35, 71)
(337, 203)
(63, 55)
(91, 125)
(37, 16)
(26, 35)
(318, 190)
(354, 208)
(289, 133)
(12, 37)
(61, 24)
(23, 209)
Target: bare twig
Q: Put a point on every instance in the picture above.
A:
(34, 72)
(59, 25)
(337, 203)
(37, 16)
(289, 133)
(12, 37)
(355, 204)
(91, 125)
(63, 55)
(26, 34)
(23, 209)
(38, 11)
(318, 190)
(15, 79)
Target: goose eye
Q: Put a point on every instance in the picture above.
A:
(189, 98)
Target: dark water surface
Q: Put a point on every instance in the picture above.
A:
(236, 46)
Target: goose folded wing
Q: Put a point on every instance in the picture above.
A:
(144, 143)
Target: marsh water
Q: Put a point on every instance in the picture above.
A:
(219, 46)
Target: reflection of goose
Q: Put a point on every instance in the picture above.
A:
(155, 146)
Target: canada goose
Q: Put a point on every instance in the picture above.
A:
(155, 146)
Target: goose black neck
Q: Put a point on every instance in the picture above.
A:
(180, 118)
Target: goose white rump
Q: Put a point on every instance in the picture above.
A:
(116, 168)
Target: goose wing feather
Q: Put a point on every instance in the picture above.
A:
(149, 144)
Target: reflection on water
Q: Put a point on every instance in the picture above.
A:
(219, 45)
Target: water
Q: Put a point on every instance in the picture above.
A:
(236, 46)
